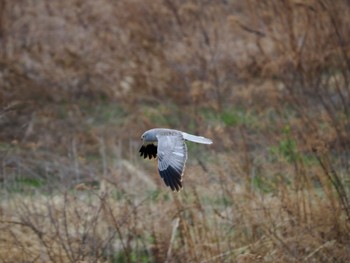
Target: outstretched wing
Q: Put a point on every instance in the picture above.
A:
(172, 155)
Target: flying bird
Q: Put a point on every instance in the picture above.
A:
(170, 148)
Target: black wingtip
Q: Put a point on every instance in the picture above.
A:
(172, 178)
(149, 151)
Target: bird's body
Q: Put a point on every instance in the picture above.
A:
(170, 148)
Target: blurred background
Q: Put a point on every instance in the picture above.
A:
(267, 81)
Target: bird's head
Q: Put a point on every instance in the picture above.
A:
(149, 136)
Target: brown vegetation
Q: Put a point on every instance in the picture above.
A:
(268, 81)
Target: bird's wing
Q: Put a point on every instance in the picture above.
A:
(172, 155)
(149, 150)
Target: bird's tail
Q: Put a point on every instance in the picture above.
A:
(198, 139)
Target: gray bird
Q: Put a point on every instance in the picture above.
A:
(169, 145)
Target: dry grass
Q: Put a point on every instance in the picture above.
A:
(268, 81)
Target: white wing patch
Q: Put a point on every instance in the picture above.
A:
(178, 154)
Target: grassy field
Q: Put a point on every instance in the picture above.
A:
(267, 81)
